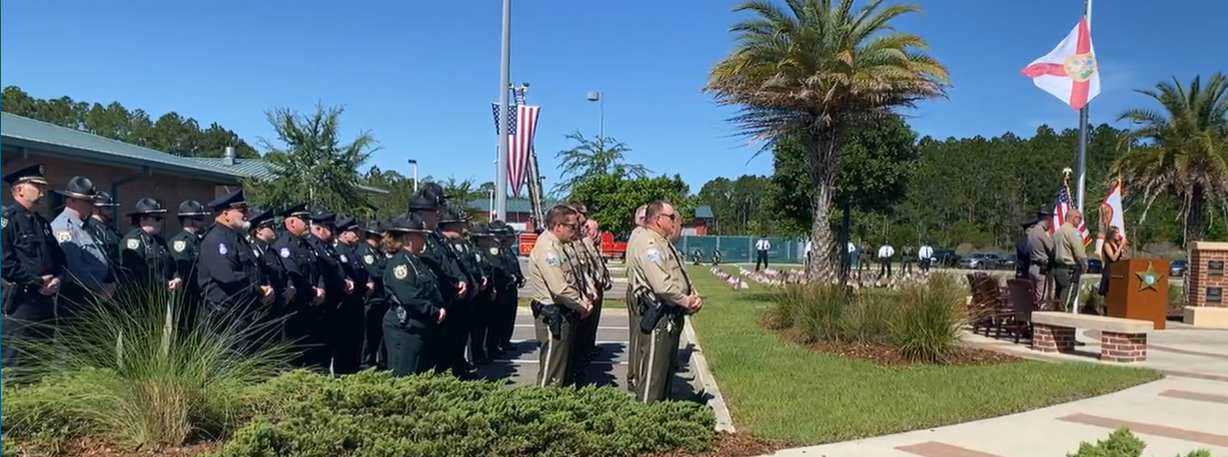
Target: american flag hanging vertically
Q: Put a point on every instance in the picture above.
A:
(1060, 207)
(522, 124)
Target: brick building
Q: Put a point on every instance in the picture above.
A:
(127, 171)
(698, 226)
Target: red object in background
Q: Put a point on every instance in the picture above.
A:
(611, 248)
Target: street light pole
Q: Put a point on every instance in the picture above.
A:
(505, 83)
(414, 163)
(596, 96)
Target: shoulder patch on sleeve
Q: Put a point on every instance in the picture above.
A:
(400, 271)
(63, 236)
(133, 243)
(179, 245)
(4, 222)
(368, 259)
(221, 249)
(284, 253)
(552, 259)
(494, 251)
(344, 259)
(652, 254)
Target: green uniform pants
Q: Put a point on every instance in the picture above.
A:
(554, 355)
(1064, 286)
(411, 345)
(657, 361)
(634, 335)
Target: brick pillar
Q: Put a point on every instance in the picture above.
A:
(1203, 280)
(1048, 338)
(1123, 347)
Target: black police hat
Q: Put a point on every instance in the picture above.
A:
(192, 208)
(324, 218)
(347, 223)
(406, 223)
(146, 206)
(79, 187)
(104, 199)
(31, 174)
(373, 228)
(420, 203)
(434, 192)
(481, 230)
(231, 200)
(1044, 212)
(296, 210)
(261, 219)
(1029, 222)
(453, 216)
(498, 227)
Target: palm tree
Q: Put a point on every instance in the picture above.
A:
(593, 156)
(815, 71)
(1187, 148)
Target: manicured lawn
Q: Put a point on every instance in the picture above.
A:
(782, 391)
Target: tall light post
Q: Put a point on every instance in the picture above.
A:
(414, 163)
(505, 83)
(595, 96)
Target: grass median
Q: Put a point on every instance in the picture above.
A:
(786, 392)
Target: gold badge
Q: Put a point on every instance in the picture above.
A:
(64, 237)
(179, 245)
(133, 243)
(400, 271)
(1147, 278)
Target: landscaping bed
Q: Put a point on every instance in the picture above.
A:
(805, 377)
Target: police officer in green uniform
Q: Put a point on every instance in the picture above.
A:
(144, 255)
(374, 353)
(185, 249)
(499, 340)
(101, 227)
(412, 323)
(452, 225)
(453, 281)
(483, 336)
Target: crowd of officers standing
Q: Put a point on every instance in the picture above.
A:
(425, 290)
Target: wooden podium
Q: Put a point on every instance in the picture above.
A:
(1138, 289)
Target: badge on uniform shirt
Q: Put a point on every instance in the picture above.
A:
(221, 249)
(284, 252)
(369, 259)
(133, 244)
(552, 259)
(343, 259)
(400, 271)
(179, 245)
(64, 236)
(652, 254)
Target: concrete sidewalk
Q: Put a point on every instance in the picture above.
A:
(1173, 415)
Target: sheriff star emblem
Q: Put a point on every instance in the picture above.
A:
(1147, 278)
(400, 271)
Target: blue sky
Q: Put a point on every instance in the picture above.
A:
(421, 75)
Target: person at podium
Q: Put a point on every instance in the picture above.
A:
(1111, 251)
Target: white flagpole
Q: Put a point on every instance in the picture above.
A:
(1081, 164)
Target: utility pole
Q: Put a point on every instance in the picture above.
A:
(505, 70)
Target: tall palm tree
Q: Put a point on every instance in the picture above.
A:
(593, 156)
(1187, 148)
(814, 71)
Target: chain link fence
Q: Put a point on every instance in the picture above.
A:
(741, 249)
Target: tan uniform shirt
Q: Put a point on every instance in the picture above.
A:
(581, 274)
(1068, 246)
(601, 273)
(1040, 245)
(549, 272)
(654, 265)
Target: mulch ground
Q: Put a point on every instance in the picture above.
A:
(730, 445)
(95, 448)
(881, 354)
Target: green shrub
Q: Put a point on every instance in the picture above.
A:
(1122, 443)
(373, 414)
(120, 372)
(923, 321)
(7, 448)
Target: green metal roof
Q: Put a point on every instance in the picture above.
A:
(25, 132)
(514, 205)
(703, 212)
(258, 169)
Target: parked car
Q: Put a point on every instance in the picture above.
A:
(1095, 266)
(1007, 263)
(980, 261)
(1177, 267)
(945, 258)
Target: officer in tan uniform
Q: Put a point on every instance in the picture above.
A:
(665, 296)
(633, 306)
(558, 304)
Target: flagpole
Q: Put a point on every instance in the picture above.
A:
(1081, 164)
(505, 86)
